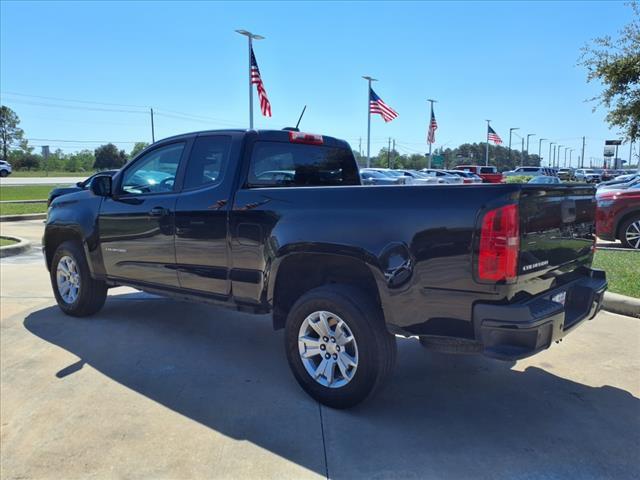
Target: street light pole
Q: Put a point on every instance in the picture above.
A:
(570, 152)
(251, 38)
(550, 161)
(540, 150)
(528, 136)
(369, 80)
(565, 157)
(510, 131)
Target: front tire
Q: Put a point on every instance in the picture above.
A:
(630, 233)
(76, 292)
(3, 173)
(337, 345)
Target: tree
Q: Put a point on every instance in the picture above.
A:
(27, 161)
(616, 64)
(10, 133)
(137, 148)
(108, 156)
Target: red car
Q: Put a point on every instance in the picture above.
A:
(488, 174)
(618, 216)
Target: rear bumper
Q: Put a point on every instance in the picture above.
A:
(519, 330)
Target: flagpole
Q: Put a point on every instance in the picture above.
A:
(250, 87)
(251, 38)
(369, 80)
(486, 155)
(430, 117)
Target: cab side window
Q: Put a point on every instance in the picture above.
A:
(155, 172)
(208, 161)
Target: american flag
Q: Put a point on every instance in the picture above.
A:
(492, 136)
(265, 106)
(433, 126)
(376, 105)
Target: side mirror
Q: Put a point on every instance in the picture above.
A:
(101, 185)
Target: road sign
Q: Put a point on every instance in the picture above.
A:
(613, 142)
(437, 161)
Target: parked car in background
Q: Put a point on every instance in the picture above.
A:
(467, 177)
(587, 175)
(620, 186)
(618, 215)
(607, 174)
(402, 179)
(487, 173)
(526, 171)
(442, 176)
(5, 169)
(619, 180)
(545, 180)
(85, 184)
(565, 174)
(418, 178)
(374, 177)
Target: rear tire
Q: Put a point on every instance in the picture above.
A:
(355, 323)
(630, 233)
(3, 173)
(76, 292)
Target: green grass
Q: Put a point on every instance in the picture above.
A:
(6, 241)
(42, 173)
(623, 271)
(22, 208)
(25, 192)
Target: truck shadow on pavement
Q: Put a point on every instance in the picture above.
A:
(440, 416)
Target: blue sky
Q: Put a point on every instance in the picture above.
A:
(511, 62)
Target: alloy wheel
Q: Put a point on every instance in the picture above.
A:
(68, 279)
(328, 349)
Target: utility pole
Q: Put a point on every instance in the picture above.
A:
(251, 38)
(540, 150)
(486, 154)
(522, 152)
(389, 154)
(369, 80)
(431, 101)
(582, 156)
(511, 131)
(153, 131)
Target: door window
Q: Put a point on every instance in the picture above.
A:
(155, 172)
(207, 162)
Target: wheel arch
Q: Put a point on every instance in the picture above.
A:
(623, 217)
(298, 273)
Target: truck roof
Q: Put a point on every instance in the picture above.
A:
(272, 135)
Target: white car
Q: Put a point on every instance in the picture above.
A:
(587, 175)
(418, 178)
(446, 177)
(5, 168)
(527, 171)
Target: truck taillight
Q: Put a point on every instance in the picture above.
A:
(308, 138)
(499, 244)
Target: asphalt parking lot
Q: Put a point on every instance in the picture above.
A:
(154, 388)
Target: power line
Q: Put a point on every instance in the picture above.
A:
(76, 141)
(71, 100)
(76, 107)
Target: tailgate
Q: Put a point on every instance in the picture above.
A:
(557, 227)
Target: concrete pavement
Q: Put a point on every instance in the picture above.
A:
(154, 388)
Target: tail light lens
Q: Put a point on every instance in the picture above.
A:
(499, 244)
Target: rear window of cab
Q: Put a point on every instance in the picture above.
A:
(279, 164)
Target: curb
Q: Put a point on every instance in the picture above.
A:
(15, 249)
(621, 304)
(17, 218)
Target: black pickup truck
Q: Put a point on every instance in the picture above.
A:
(277, 222)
